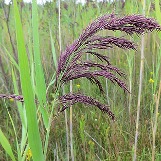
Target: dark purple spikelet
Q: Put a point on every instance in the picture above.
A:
(70, 99)
(96, 42)
(104, 67)
(12, 96)
(100, 56)
(131, 24)
(15, 97)
(80, 73)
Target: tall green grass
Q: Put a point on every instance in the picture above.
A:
(94, 136)
(27, 91)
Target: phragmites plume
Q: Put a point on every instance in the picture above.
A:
(70, 99)
(133, 24)
(72, 66)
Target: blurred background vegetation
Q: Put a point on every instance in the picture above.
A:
(95, 137)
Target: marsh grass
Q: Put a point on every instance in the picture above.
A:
(95, 137)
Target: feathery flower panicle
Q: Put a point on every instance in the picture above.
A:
(72, 66)
(106, 42)
(104, 67)
(92, 74)
(130, 24)
(70, 99)
(138, 24)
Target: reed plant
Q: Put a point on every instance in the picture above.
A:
(36, 111)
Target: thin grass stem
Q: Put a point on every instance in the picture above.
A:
(140, 89)
(154, 123)
(71, 127)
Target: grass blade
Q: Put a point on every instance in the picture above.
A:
(53, 50)
(6, 145)
(22, 114)
(27, 91)
(39, 74)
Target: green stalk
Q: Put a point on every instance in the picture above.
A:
(155, 122)
(27, 91)
(71, 127)
(53, 50)
(158, 58)
(157, 96)
(16, 139)
(130, 60)
(140, 89)
(22, 114)
(39, 74)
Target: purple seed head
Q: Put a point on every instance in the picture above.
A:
(70, 99)
(87, 41)
(72, 66)
(12, 96)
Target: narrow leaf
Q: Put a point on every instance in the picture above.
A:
(6, 145)
(27, 91)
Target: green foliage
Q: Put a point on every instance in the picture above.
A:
(6, 145)
(94, 136)
(27, 91)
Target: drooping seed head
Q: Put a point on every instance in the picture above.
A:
(70, 99)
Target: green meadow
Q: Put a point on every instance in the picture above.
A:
(32, 37)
